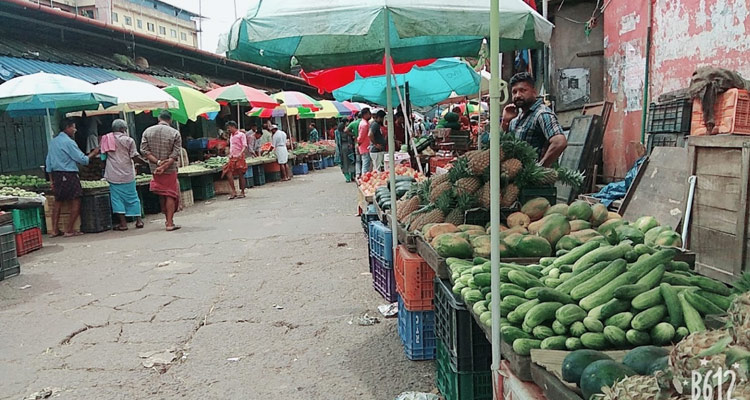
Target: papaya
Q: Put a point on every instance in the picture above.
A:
(555, 227)
(629, 232)
(434, 240)
(481, 241)
(613, 215)
(609, 225)
(579, 225)
(505, 251)
(646, 223)
(535, 208)
(518, 219)
(483, 251)
(448, 245)
(579, 209)
(653, 233)
(513, 240)
(599, 214)
(568, 242)
(585, 235)
(467, 227)
(438, 229)
(533, 246)
(426, 229)
(668, 238)
(557, 209)
(474, 233)
(535, 226)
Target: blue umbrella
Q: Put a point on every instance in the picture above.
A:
(428, 85)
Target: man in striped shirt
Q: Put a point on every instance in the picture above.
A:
(535, 123)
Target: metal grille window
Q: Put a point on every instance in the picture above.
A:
(128, 21)
(162, 30)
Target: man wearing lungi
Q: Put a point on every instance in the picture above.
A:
(161, 146)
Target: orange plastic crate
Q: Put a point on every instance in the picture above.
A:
(414, 280)
(28, 241)
(732, 114)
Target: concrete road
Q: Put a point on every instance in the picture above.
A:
(256, 298)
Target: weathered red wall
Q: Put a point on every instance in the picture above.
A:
(686, 34)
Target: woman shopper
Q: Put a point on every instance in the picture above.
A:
(345, 148)
(120, 151)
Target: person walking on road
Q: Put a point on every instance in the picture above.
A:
(363, 141)
(282, 154)
(119, 171)
(377, 141)
(62, 162)
(352, 131)
(314, 134)
(345, 148)
(237, 166)
(161, 146)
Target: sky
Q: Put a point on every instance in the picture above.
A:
(219, 17)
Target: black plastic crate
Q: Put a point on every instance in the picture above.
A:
(204, 192)
(477, 216)
(666, 140)
(149, 202)
(456, 329)
(673, 116)
(548, 192)
(96, 213)
(369, 215)
(273, 176)
(259, 175)
(8, 256)
(10, 272)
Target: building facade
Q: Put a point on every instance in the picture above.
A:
(148, 17)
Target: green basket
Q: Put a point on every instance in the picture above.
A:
(26, 218)
(185, 184)
(460, 385)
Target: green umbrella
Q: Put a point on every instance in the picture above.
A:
(193, 104)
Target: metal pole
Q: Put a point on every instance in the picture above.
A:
(239, 117)
(495, 182)
(200, 24)
(389, 117)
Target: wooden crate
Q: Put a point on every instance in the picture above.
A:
(718, 227)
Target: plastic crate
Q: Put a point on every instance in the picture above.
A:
(318, 165)
(477, 216)
(150, 202)
(414, 280)
(367, 217)
(665, 140)
(460, 385)
(381, 241)
(329, 161)
(548, 192)
(259, 175)
(300, 169)
(197, 144)
(271, 167)
(457, 330)
(273, 176)
(249, 182)
(383, 280)
(26, 218)
(417, 332)
(28, 241)
(186, 199)
(10, 272)
(249, 173)
(96, 213)
(8, 255)
(731, 114)
(185, 183)
(205, 192)
(673, 116)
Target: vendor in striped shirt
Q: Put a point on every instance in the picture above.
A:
(529, 119)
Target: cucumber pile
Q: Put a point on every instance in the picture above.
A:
(596, 296)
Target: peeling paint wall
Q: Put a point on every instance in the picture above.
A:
(686, 34)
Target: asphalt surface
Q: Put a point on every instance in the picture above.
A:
(255, 298)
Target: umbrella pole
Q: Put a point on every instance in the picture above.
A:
(495, 185)
(389, 116)
(239, 117)
(48, 121)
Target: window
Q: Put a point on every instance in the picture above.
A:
(150, 27)
(162, 30)
(173, 33)
(128, 21)
(139, 23)
(183, 36)
(115, 17)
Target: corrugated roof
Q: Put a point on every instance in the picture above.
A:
(13, 66)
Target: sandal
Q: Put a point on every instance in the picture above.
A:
(56, 234)
(73, 234)
(120, 228)
(173, 228)
(241, 196)
(139, 225)
(232, 197)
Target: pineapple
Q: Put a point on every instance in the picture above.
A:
(511, 168)
(684, 358)
(434, 216)
(739, 316)
(407, 208)
(457, 214)
(467, 186)
(438, 179)
(460, 169)
(437, 191)
(570, 177)
(509, 195)
(483, 196)
(550, 176)
(479, 161)
(637, 387)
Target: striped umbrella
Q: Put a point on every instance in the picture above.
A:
(242, 95)
(330, 109)
(292, 99)
(193, 104)
(267, 112)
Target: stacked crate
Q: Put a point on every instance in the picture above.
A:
(464, 354)
(27, 226)
(381, 260)
(96, 213)
(668, 124)
(203, 187)
(186, 192)
(416, 322)
(64, 217)
(9, 265)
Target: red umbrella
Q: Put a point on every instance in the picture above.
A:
(242, 95)
(328, 80)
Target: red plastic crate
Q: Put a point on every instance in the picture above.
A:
(414, 280)
(731, 114)
(28, 241)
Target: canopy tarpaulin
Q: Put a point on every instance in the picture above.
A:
(328, 80)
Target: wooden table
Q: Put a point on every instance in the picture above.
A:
(432, 258)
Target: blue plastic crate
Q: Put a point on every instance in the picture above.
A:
(383, 280)
(300, 169)
(381, 241)
(197, 144)
(317, 165)
(329, 161)
(249, 172)
(417, 332)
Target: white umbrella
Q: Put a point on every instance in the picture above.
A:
(136, 96)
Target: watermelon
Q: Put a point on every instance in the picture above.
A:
(579, 210)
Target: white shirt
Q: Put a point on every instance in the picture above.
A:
(279, 139)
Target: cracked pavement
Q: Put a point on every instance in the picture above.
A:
(252, 299)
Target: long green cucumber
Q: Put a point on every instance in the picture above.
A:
(702, 304)
(604, 253)
(575, 254)
(653, 277)
(645, 265)
(693, 319)
(584, 276)
(722, 302)
(613, 270)
(674, 309)
(606, 292)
